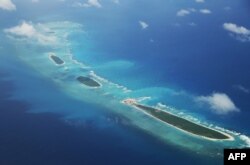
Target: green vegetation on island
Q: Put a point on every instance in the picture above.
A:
(88, 81)
(182, 123)
(57, 59)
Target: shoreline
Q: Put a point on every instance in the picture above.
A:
(180, 123)
(85, 80)
(133, 103)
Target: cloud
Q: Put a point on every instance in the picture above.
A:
(143, 24)
(200, 1)
(220, 103)
(89, 3)
(27, 30)
(205, 11)
(242, 88)
(7, 5)
(239, 32)
(236, 29)
(183, 12)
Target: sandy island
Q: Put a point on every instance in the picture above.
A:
(57, 60)
(180, 123)
(88, 82)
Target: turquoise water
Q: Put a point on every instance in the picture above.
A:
(166, 66)
(110, 95)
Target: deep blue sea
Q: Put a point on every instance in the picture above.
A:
(46, 118)
(88, 137)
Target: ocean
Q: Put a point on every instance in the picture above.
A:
(49, 119)
(86, 136)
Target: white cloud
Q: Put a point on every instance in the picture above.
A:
(236, 29)
(200, 1)
(89, 3)
(27, 30)
(183, 12)
(241, 33)
(143, 24)
(205, 11)
(220, 103)
(7, 5)
(242, 88)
